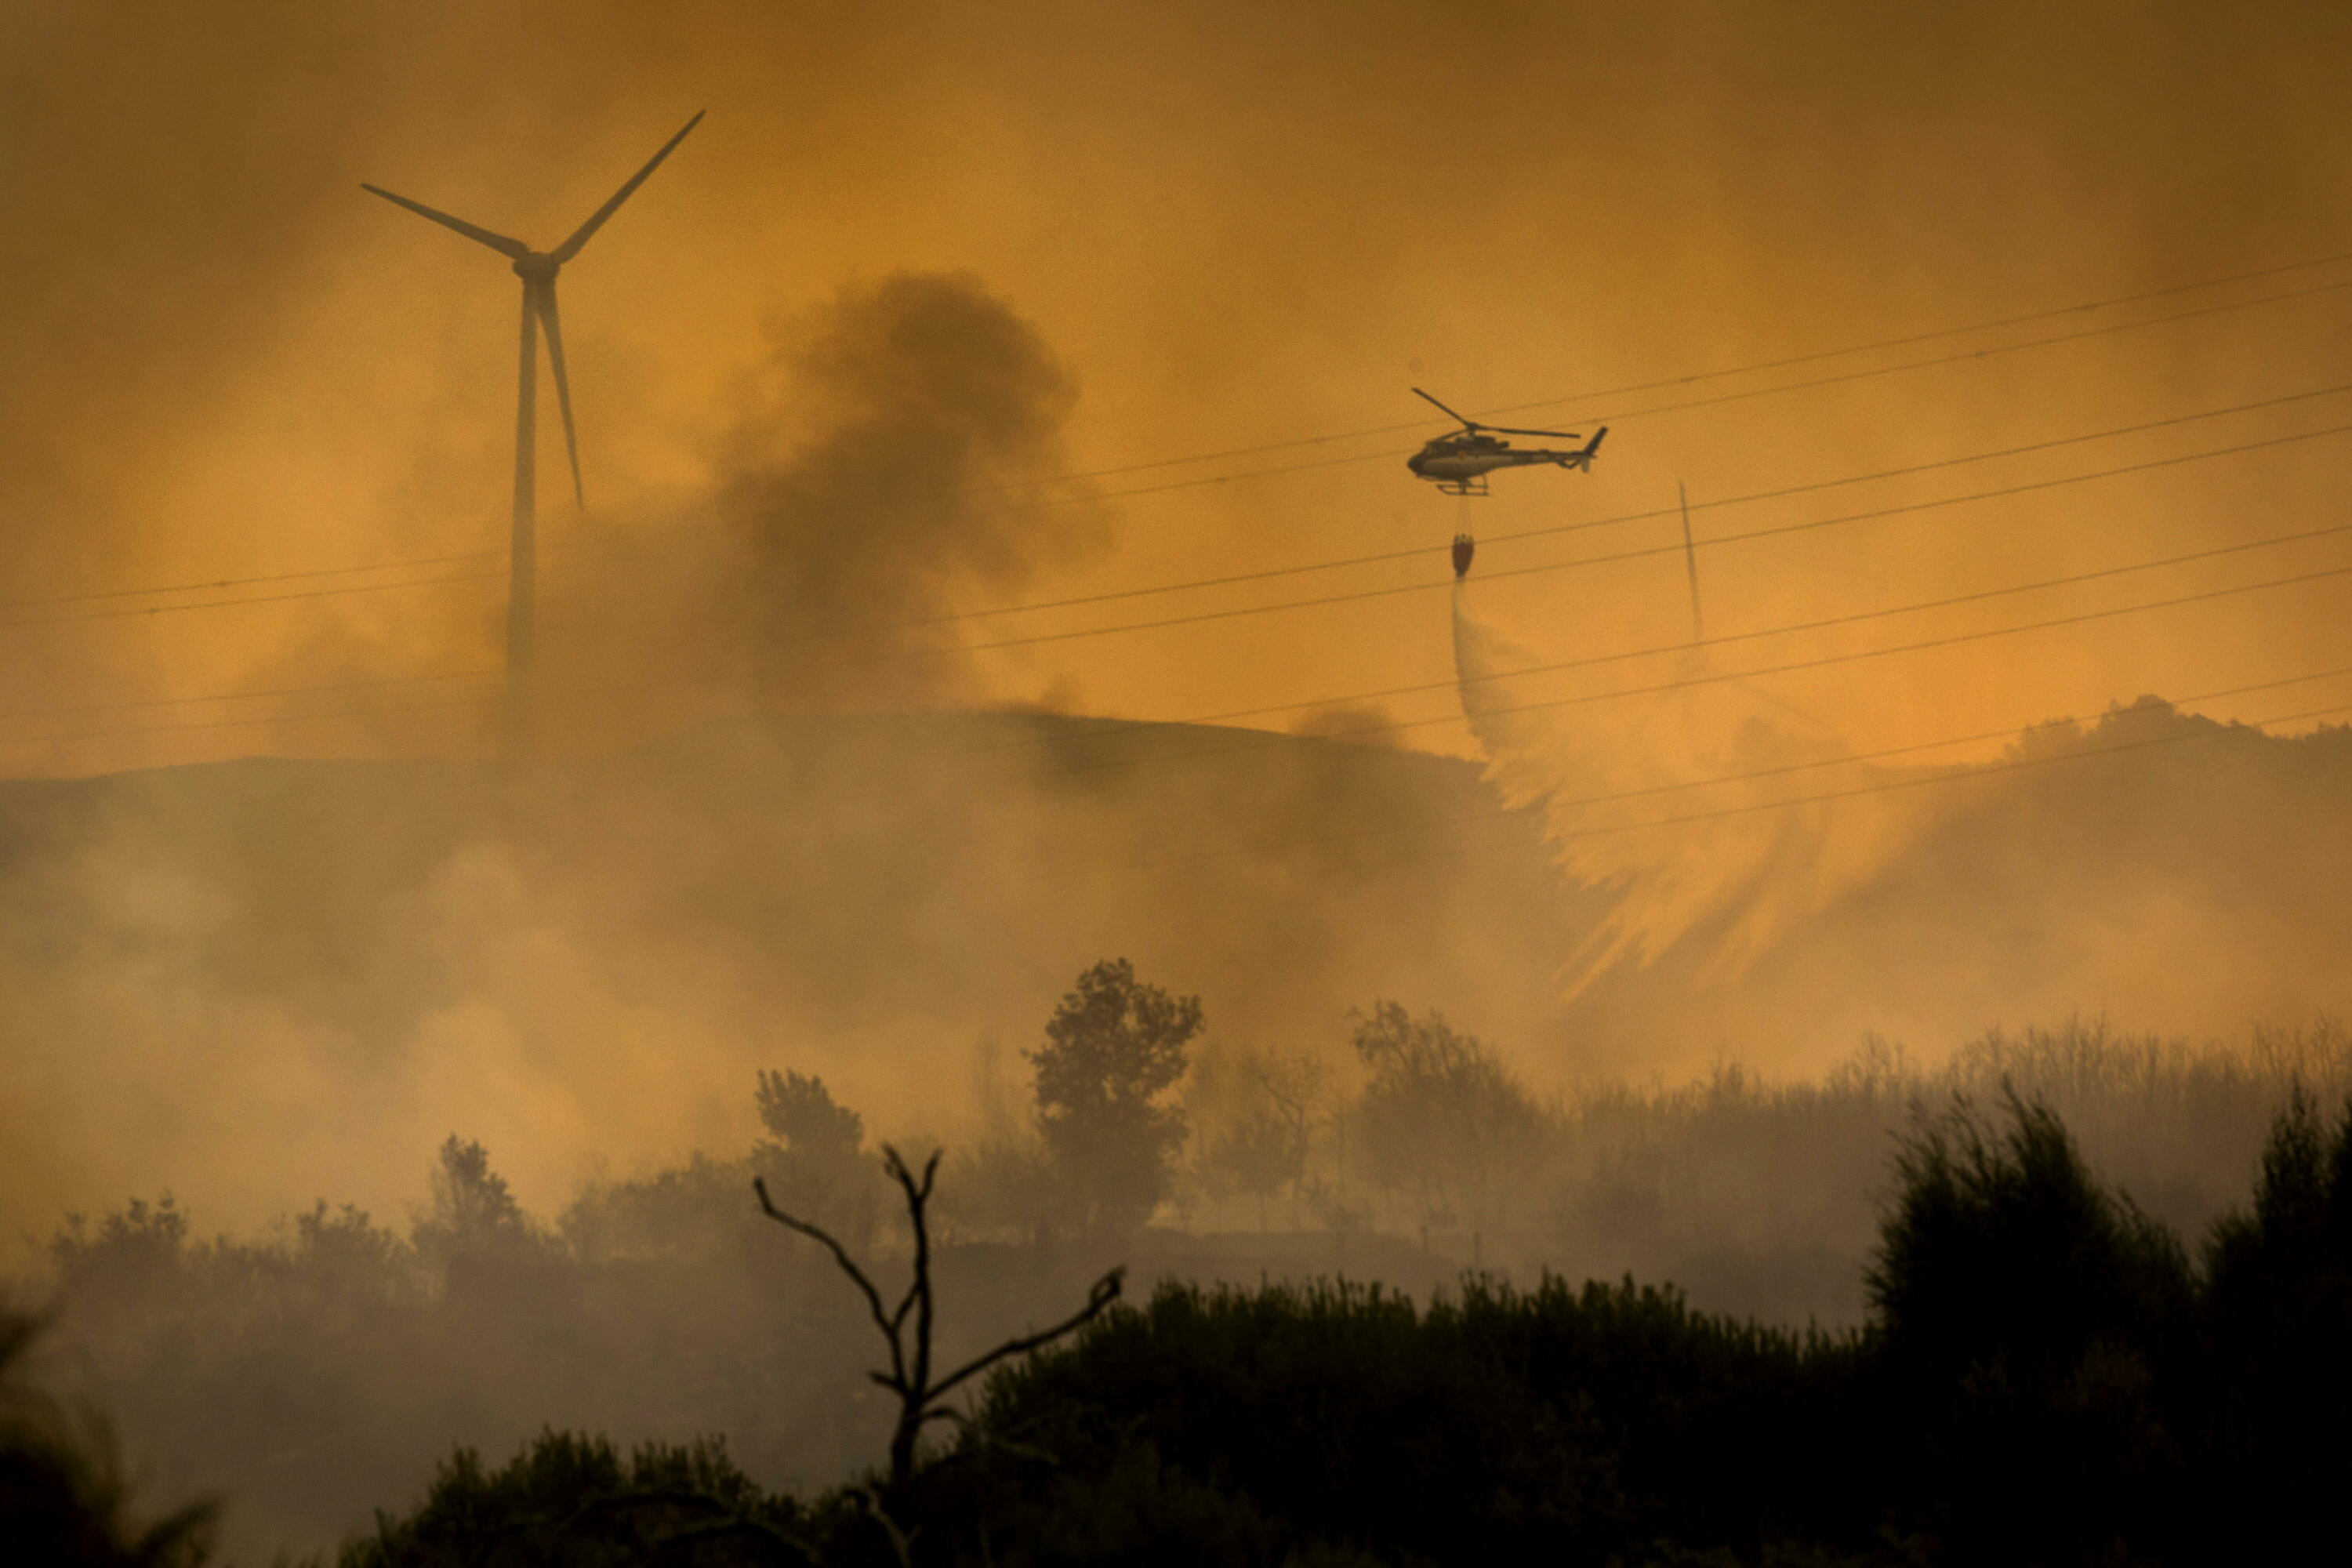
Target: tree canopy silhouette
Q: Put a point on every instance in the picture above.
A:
(1112, 1048)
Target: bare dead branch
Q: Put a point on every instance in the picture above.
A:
(1099, 1301)
(917, 1200)
(918, 1395)
(840, 1255)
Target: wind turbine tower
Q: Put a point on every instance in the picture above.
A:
(537, 268)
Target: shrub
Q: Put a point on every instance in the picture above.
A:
(62, 1497)
(2278, 1330)
(1508, 1425)
(567, 1498)
(2030, 1317)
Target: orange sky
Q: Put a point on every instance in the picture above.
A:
(1231, 224)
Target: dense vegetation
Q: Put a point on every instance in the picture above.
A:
(2047, 1377)
(61, 1486)
(2048, 1374)
(2015, 1351)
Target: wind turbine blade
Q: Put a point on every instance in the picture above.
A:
(571, 247)
(553, 322)
(498, 242)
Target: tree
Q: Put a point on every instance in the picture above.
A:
(1262, 1152)
(1112, 1048)
(1440, 1116)
(2277, 1301)
(2002, 1244)
(813, 1158)
(2026, 1316)
(138, 1250)
(474, 1213)
(803, 1116)
(1257, 1156)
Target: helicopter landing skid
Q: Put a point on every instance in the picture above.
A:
(1470, 486)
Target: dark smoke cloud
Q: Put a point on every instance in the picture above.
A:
(884, 469)
(912, 410)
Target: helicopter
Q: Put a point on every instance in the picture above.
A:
(1458, 463)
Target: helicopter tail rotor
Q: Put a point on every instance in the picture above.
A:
(1582, 460)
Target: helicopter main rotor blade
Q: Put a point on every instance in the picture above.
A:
(543, 294)
(1472, 424)
(571, 247)
(514, 249)
(1509, 430)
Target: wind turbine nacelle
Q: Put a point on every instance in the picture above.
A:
(537, 267)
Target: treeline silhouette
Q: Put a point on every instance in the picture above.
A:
(2048, 1375)
(312, 1375)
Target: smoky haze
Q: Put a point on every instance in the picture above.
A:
(884, 462)
(1794, 827)
(1233, 227)
(865, 293)
(924, 324)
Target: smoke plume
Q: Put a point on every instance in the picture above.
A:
(890, 462)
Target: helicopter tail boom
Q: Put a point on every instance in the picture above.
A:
(1582, 458)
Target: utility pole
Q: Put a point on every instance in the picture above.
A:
(1690, 564)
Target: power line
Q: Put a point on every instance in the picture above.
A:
(1955, 776)
(1666, 407)
(1584, 662)
(2011, 766)
(1781, 531)
(1524, 571)
(1980, 772)
(1791, 629)
(1363, 559)
(1838, 380)
(1213, 582)
(1744, 636)
(1879, 787)
(1813, 357)
(1848, 760)
(244, 695)
(1272, 741)
(1420, 551)
(1713, 678)
(237, 723)
(1698, 644)
(247, 582)
(251, 599)
(1392, 429)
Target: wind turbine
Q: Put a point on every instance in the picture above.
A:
(537, 268)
